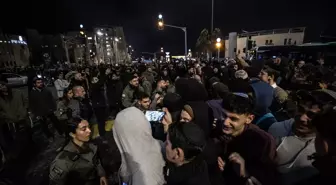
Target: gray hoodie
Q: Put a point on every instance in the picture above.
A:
(142, 161)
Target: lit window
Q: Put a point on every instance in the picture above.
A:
(90, 38)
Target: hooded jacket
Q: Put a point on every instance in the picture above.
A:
(263, 98)
(142, 160)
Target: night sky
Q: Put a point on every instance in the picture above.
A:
(139, 18)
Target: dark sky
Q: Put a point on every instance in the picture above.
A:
(138, 17)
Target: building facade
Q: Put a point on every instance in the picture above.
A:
(290, 36)
(14, 51)
(110, 45)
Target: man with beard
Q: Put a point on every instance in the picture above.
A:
(133, 87)
(13, 114)
(248, 153)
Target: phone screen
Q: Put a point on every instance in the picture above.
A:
(154, 115)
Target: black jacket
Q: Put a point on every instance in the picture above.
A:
(41, 102)
(193, 173)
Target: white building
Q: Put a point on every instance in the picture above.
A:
(290, 36)
(13, 51)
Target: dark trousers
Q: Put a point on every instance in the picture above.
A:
(101, 115)
(14, 137)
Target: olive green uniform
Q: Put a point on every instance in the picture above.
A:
(76, 165)
(128, 96)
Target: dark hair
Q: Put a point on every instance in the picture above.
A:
(325, 125)
(142, 95)
(65, 95)
(73, 123)
(273, 73)
(189, 137)
(238, 104)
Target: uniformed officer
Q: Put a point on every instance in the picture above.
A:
(78, 162)
(128, 98)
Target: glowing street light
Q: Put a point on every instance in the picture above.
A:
(161, 24)
(160, 16)
(81, 26)
(218, 44)
(81, 32)
(116, 39)
(218, 39)
(99, 33)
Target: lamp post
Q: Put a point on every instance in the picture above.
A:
(161, 25)
(218, 45)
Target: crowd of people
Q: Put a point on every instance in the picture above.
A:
(223, 122)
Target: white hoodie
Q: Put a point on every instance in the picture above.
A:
(142, 161)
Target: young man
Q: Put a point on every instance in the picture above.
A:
(270, 76)
(184, 146)
(248, 153)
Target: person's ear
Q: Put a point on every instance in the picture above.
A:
(249, 118)
(179, 155)
(72, 135)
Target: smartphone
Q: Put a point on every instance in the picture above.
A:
(154, 115)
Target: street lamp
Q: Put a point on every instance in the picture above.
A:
(161, 25)
(99, 33)
(81, 25)
(218, 45)
(116, 39)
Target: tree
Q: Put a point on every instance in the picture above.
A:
(205, 40)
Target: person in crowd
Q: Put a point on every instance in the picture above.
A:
(80, 106)
(248, 153)
(184, 146)
(262, 94)
(43, 105)
(60, 85)
(241, 74)
(99, 99)
(295, 139)
(160, 88)
(141, 156)
(217, 88)
(13, 115)
(280, 96)
(194, 94)
(325, 146)
(146, 85)
(144, 102)
(80, 79)
(78, 162)
(63, 113)
(114, 92)
(128, 98)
